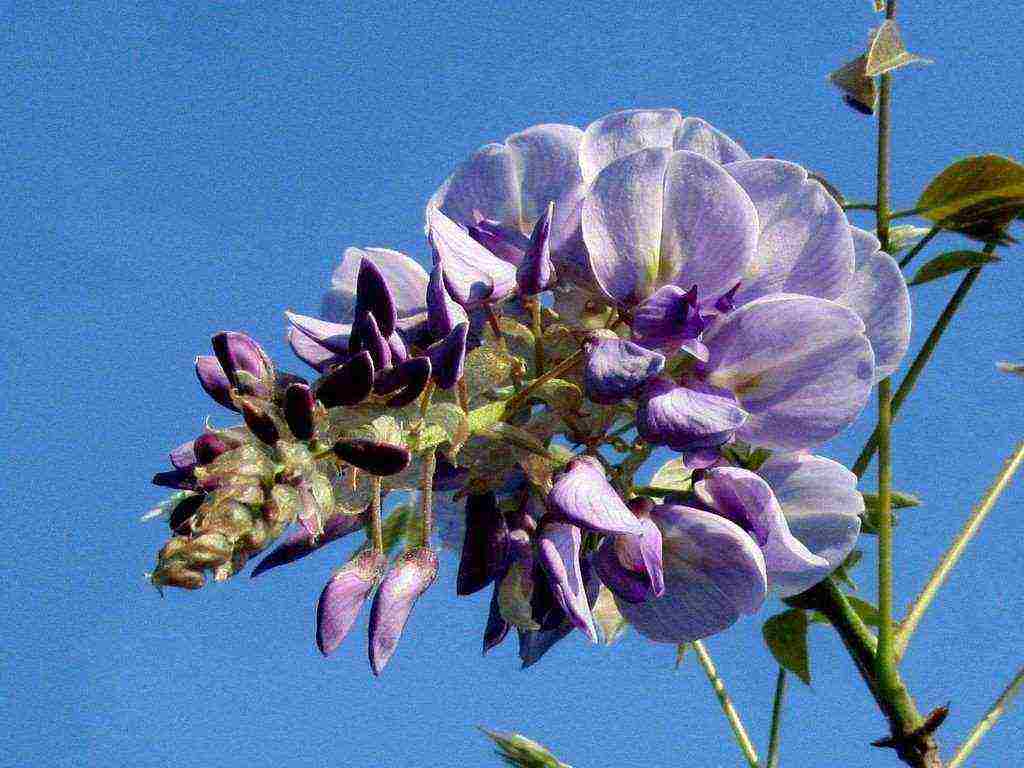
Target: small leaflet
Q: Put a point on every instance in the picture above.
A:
(858, 89)
(886, 51)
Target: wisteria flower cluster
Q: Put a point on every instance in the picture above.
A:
(595, 295)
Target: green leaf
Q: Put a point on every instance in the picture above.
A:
(887, 51)
(902, 237)
(517, 750)
(868, 613)
(858, 87)
(672, 475)
(842, 573)
(786, 637)
(869, 518)
(973, 189)
(948, 263)
(560, 395)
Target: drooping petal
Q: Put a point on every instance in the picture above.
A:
(622, 224)
(804, 245)
(332, 336)
(484, 186)
(547, 165)
(485, 546)
(668, 318)
(448, 357)
(472, 274)
(311, 353)
(343, 597)
(347, 384)
(687, 417)
(701, 137)
(373, 296)
(800, 366)
(298, 544)
(747, 500)
(642, 554)
(536, 272)
(582, 496)
(709, 229)
(409, 578)
(496, 628)
(821, 503)
(614, 136)
(533, 644)
(405, 278)
(443, 314)
(559, 549)
(214, 381)
(878, 294)
(617, 368)
(714, 572)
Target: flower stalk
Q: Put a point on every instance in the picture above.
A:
(774, 731)
(718, 685)
(990, 719)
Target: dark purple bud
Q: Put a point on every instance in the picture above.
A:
(582, 496)
(559, 553)
(348, 384)
(497, 628)
(299, 409)
(210, 445)
(343, 597)
(374, 297)
(684, 418)
(447, 476)
(260, 422)
(184, 456)
(181, 516)
(414, 374)
(380, 459)
(727, 301)
(244, 362)
(536, 272)
(447, 357)
(504, 241)
(617, 369)
(546, 610)
(182, 479)
(214, 381)
(443, 313)
(485, 546)
(299, 543)
(409, 578)
(366, 335)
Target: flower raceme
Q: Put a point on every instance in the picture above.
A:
(642, 276)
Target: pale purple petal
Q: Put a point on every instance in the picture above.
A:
(406, 280)
(484, 186)
(709, 229)
(582, 496)
(332, 336)
(548, 166)
(801, 368)
(632, 566)
(878, 294)
(687, 417)
(617, 368)
(701, 137)
(820, 500)
(184, 456)
(804, 245)
(214, 381)
(559, 549)
(312, 354)
(403, 585)
(747, 500)
(343, 597)
(622, 225)
(472, 274)
(614, 136)
(714, 572)
(668, 319)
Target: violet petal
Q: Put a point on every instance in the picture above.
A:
(473, 275)
(214, 381)
(343, 596)
(617, 369)
(238, 352)
(559, 550)
(299, 409)
(442, 312)
(485, 545)
(311, 353)
(332, 336)
(687, 417)
(373, 296)
(415, 373)
(582, 496)
(367, 336)
(298, 544)
(496, 629)
(447, 357)
(536, 273)
(408, 578)
(668, 319)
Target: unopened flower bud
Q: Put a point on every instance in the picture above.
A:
(410, 577)
(208, 550)
(373, 297)
(443, 313)
(214, 381)
(536, 272)
(377, 458)
(367, 336)
(448, 357)
(181, 520)
(299, 543)
(299, 410)
(414, 374)
(343, 597)
(347, 384)
(485, 546)
(177, 576)
(209, 446)
(260, 422)
(244, 362)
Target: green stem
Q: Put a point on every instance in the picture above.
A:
(923, 356)
(859, 206)
(990, 719)
(920, 245)
(538, 337)
(427, 497)
(956, 549)
(746, 746)
(376, 529)
(885, 660)
(520, 397)
(772, 761)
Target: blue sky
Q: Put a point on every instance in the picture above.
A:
(171, 170)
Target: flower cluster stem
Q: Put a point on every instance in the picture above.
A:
(774, 731)
(745, 744)
(538, 336)
(956, 549)
(520, 397)
(427, 497)
(376, 528)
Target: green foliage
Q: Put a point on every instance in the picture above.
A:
(887, 51)
(673, 475)
(786, 637)
(948, 263)
(517, 750)
(982, 189)
(869, 519)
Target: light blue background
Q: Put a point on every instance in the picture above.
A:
(171, 170)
